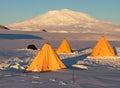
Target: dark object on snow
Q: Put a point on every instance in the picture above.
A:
(44, 30)
(32, 46)
(3, 28)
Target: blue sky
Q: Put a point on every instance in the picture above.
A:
(12, 11)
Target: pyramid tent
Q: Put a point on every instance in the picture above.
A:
(102, 48)
(64, 47)
(46, 60)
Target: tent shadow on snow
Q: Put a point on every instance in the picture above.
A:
(15, 70)
(79, 50)
(115, 51)
(18, 36)
(70, 61)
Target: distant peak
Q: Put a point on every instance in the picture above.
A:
(66, 10)
(53, 11)
(62, 10)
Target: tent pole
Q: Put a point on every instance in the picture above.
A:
(73, 75)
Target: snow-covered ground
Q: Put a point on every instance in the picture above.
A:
(14, 58)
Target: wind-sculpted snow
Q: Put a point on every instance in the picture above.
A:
(17, 59)
(21, 58)
(109, 62)
(98, 75)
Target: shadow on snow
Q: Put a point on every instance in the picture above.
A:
(18, 36)
(70, 61)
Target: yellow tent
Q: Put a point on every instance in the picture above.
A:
(102, 48)
(64, 47)
(46, 60)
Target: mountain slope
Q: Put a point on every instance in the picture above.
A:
(65, 20)
(3, 28)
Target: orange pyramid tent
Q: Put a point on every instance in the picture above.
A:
(64, 47)
(102, 48)
(46, 60)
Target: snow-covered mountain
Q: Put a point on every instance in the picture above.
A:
(65, 21)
